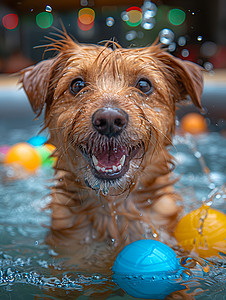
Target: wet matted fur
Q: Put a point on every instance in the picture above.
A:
(112, 187)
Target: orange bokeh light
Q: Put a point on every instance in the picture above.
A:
(86, 17)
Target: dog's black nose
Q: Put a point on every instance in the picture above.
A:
(110, 121)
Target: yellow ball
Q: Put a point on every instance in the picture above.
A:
(25, 156)
(194, 123)
(202, 231)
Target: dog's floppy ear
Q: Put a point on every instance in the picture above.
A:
(188, 76)
(36, 80)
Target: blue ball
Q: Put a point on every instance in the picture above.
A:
(37, 140)
(145, 256)
(147, 269)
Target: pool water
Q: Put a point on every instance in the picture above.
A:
(29, 269)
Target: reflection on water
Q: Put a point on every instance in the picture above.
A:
(28, 267)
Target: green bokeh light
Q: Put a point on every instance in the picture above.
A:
(44, 19)
(176, 16)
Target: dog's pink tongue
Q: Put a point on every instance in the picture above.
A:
(111, 157)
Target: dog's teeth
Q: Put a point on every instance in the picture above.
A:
(122, 160)
(95, 161)
(97, 168)
(110, 170)
(114, 168)
(103, 169)
(119, 167)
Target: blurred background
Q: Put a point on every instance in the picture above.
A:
(192, 29)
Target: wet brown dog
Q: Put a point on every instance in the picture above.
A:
(111, 115)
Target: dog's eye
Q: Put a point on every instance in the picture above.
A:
(145, 86)
(76, 85)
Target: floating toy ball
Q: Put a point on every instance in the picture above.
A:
(45, 152)
(24, 155)
(37, 140)
(202, 231)
(194, 123)
(147, 269)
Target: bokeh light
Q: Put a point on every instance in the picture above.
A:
(10, 21)
(124, 16)
(44, 19)
(182, 41)
(131, 35)
(208, 66)
(172, 47)
(166, 36)
(185, 53)
(110, 21)
(86, 17)
(208, 49)
(134, 16)
(48, 8)
(176, 16)
(149, 11)
(148, 25)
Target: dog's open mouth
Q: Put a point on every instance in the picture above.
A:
(110, 160)
(110, 163)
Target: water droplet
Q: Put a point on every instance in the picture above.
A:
(172, 47)
(182, 41)
(209, 202)
(166, 36)
(148, 14)
(208, 66)
(110, 21)
(148, 25)
(212, 185)
(157, 109)
(124, 16)
(131, 35)
(105, 190)
(186, 275)
(185, 53)
(48, 8)
(197, 154)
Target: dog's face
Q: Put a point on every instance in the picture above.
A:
(109, 109)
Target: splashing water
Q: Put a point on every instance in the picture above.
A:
(28, 266)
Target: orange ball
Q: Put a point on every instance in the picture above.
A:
(194, 123)
(202, 231)
(25, 156)
(50, 147)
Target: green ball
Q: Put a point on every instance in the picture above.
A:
(45, 154)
